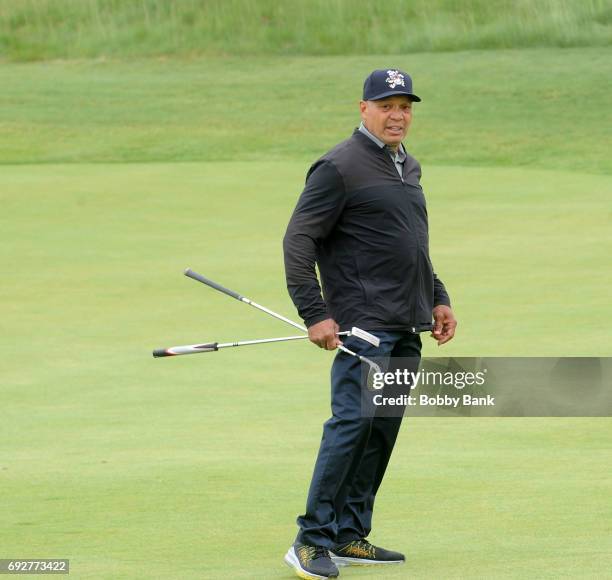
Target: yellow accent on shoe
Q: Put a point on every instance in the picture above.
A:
(305, 575)
(360, 549)
(306, 553)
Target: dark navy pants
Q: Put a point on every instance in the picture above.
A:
(355, 450)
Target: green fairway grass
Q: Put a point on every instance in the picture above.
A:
(116, 176)
(501, 108)
(195, 467)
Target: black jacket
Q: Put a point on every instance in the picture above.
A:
(366, 229)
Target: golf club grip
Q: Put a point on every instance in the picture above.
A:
(159, 352)
(191, 274)
(188, 349)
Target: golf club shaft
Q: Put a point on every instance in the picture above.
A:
(191, 274)
(214, 346)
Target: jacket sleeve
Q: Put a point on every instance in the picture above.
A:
(315, 215)
(440, 293)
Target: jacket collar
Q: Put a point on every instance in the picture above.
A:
(367, 137)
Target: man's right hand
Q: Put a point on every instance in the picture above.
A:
(324, 334)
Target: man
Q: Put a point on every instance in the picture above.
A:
(362, 220)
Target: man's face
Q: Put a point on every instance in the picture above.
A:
(388, 119)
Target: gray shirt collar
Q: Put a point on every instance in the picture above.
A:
(398, 157)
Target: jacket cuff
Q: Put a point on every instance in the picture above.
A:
(314, 319)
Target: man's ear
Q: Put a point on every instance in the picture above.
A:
(363, 105)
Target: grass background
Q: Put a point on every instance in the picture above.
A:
(42, 29)
(514, 108)
(119, 172)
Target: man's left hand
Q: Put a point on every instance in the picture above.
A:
(444, 324)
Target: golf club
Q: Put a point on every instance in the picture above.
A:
(214, 346)
(191, 274)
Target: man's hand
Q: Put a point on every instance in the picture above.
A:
(444, 324)
(324, 334)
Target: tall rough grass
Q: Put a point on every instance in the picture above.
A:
(46, 29)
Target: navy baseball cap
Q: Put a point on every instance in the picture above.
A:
(387, 82)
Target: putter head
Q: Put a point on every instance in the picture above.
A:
(373, 368)
(363, 335)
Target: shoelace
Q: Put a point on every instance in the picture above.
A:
(314, 552)
(320, 552)
(362, 546)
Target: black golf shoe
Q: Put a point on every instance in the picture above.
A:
(362, 553)
(311, 562)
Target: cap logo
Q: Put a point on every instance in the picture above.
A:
(394, 79)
